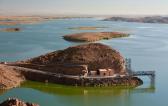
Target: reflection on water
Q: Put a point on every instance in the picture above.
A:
(70, 90)
(144, 90)
(37, 92)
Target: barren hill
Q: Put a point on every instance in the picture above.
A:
(95, 55)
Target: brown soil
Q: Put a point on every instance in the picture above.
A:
(95, 55)
(16, 102)
(9, 77)
(93, 36)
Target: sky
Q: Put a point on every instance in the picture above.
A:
(84, 7)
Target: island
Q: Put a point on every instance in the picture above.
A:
(10, 29)
(86, 28)
(93, 36)
(149, 19)
(87, 65)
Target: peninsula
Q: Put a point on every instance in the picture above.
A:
(91, 64)
(150, 19)
(93, 36)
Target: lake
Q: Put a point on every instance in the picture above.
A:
(147, 47)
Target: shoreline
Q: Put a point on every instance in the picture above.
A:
(48, 77)
(17, 20)
(82, 65)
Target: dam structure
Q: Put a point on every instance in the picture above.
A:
(80, 75)
(150, 74)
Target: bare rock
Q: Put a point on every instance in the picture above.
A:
(94, 55)
(16, 102)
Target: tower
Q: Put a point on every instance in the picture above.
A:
(128, 65)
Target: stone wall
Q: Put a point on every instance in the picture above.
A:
(80, 81)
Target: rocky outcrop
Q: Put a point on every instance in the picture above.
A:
(152, 19)
(16, 102)
(9, 77)
(93, 36)
(94, 55)
(67, 67)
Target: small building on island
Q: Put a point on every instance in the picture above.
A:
(91, 59)
(85, 65)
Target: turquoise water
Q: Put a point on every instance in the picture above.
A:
(147, 47)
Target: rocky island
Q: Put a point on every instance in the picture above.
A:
(10, 29)
(92, 64)
(150, 19)
(86, 28)
(94, 36)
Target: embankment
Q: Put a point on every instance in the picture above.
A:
(41, 76)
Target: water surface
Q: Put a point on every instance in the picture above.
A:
(147, 47)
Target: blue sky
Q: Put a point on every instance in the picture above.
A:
(94, 7)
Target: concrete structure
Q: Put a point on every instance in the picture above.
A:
(151, 75)
(93, 73)
(102, 73)
(106, 72)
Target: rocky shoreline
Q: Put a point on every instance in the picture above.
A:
(9, 77)
(83, 65)
(46, 77)
(16, 102)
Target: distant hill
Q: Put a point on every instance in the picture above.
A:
(151, 19)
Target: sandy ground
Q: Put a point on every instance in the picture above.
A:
(9, 78)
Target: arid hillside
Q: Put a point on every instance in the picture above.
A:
(95, 55)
